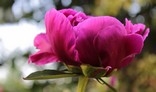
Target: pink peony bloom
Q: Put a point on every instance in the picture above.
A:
(75, 38)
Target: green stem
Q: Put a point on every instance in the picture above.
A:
(103, 82)
(82, 83)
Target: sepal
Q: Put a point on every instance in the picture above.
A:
(94, 72)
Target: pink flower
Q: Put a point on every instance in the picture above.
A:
(74, 38)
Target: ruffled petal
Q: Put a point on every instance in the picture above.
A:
(73, 16)
(128, 26)
(61, 36)
(136, 29)
(68, 12)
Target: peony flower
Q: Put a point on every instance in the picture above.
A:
(75, 39)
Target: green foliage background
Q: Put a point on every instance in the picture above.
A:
(139, 76)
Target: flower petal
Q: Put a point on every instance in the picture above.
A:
(61, 36)
(109, 43)
(133, 46)
(145, 34)
(41, 42)
(96, 24)
(86, 33)
(45, 53)
(136, 29)
(41, 58)
(68, 12)
(127, 60)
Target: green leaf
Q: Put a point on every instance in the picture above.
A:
(49, 74)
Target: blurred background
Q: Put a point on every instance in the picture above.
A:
(21, 20)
